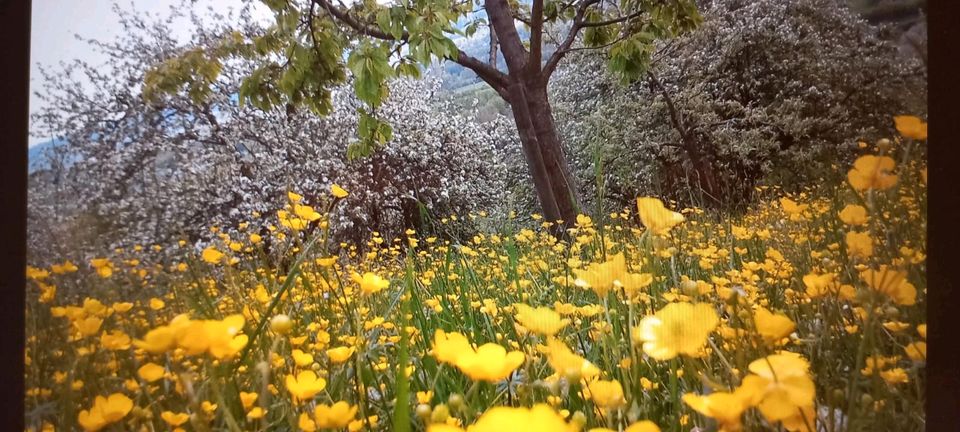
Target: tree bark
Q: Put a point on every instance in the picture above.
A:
(555, 186)
(542, 179)
(563, 184)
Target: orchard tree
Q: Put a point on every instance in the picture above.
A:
(130, 173)
(315, 45)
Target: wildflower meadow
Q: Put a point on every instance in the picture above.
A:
(804, 313)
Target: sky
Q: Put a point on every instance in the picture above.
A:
(55, 22)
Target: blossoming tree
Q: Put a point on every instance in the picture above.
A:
(313, 44)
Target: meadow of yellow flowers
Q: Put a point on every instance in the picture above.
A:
(807, 313)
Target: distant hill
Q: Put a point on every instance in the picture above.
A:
(38, 155)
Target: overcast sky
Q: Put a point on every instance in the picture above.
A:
(55, 22)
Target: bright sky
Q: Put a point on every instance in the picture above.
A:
(55, 22)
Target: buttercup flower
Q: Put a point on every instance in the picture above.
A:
(656, 217)
(541, 320)
(872, 172)
(678, 328)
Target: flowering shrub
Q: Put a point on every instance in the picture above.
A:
(645, 319)
(149, 173)
(764, 92)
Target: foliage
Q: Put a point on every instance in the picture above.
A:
(807, 313)
(764, 92)
(152, 173)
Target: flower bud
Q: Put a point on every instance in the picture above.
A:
(689, 287)
(455, 401)
(440, 414)
(838, 396)
(579, 419)
(423, 411)
(883, 145)
(866, 399)
(281, 324)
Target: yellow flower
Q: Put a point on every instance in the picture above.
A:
(725, 407)
(103, 267)
(306, 212)
(306, 424)
(853, 215)
(156, 304)
(911, 127)
(859, 244)
(256, 413)
(88, 326)
(370, 283)
(605, 394)
(122, 307)
(895, 376)
(540, 418)
(157, 340)
(340, 354)
(212, 255)
(326, 262)
(174, 419)
(791, 208)
(656, 217)
(305, 385)
(643, 426)
(916, 351)
(294, 197)
(891, 282)
(336, 416)
(301, 358)
(151, 372)
(115, 340)
(424, 397)
(779, 385)
(448, 347)
(105, 410)
(338, 191)
(678, 328)
(208, 407)
(773, 327)
(872, 172)
(922, 330)
(632, 283)
(602, 277)
(541, 320)
(490, 362)
(896, 326)
(818, 285)
(566, 363)
(248, 399)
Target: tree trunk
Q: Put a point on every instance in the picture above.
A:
(563, 184)
(542, 148)
(531, 151)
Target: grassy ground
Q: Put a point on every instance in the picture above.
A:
(806, 314)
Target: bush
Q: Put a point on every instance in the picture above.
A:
(764, 92)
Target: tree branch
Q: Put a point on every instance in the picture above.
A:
(536, 38)
(571, 37)
(503, 22)
(613, 20)
(488, 74)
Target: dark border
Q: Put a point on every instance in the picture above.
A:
(14, 93)
(943, 366)
(943, 294)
